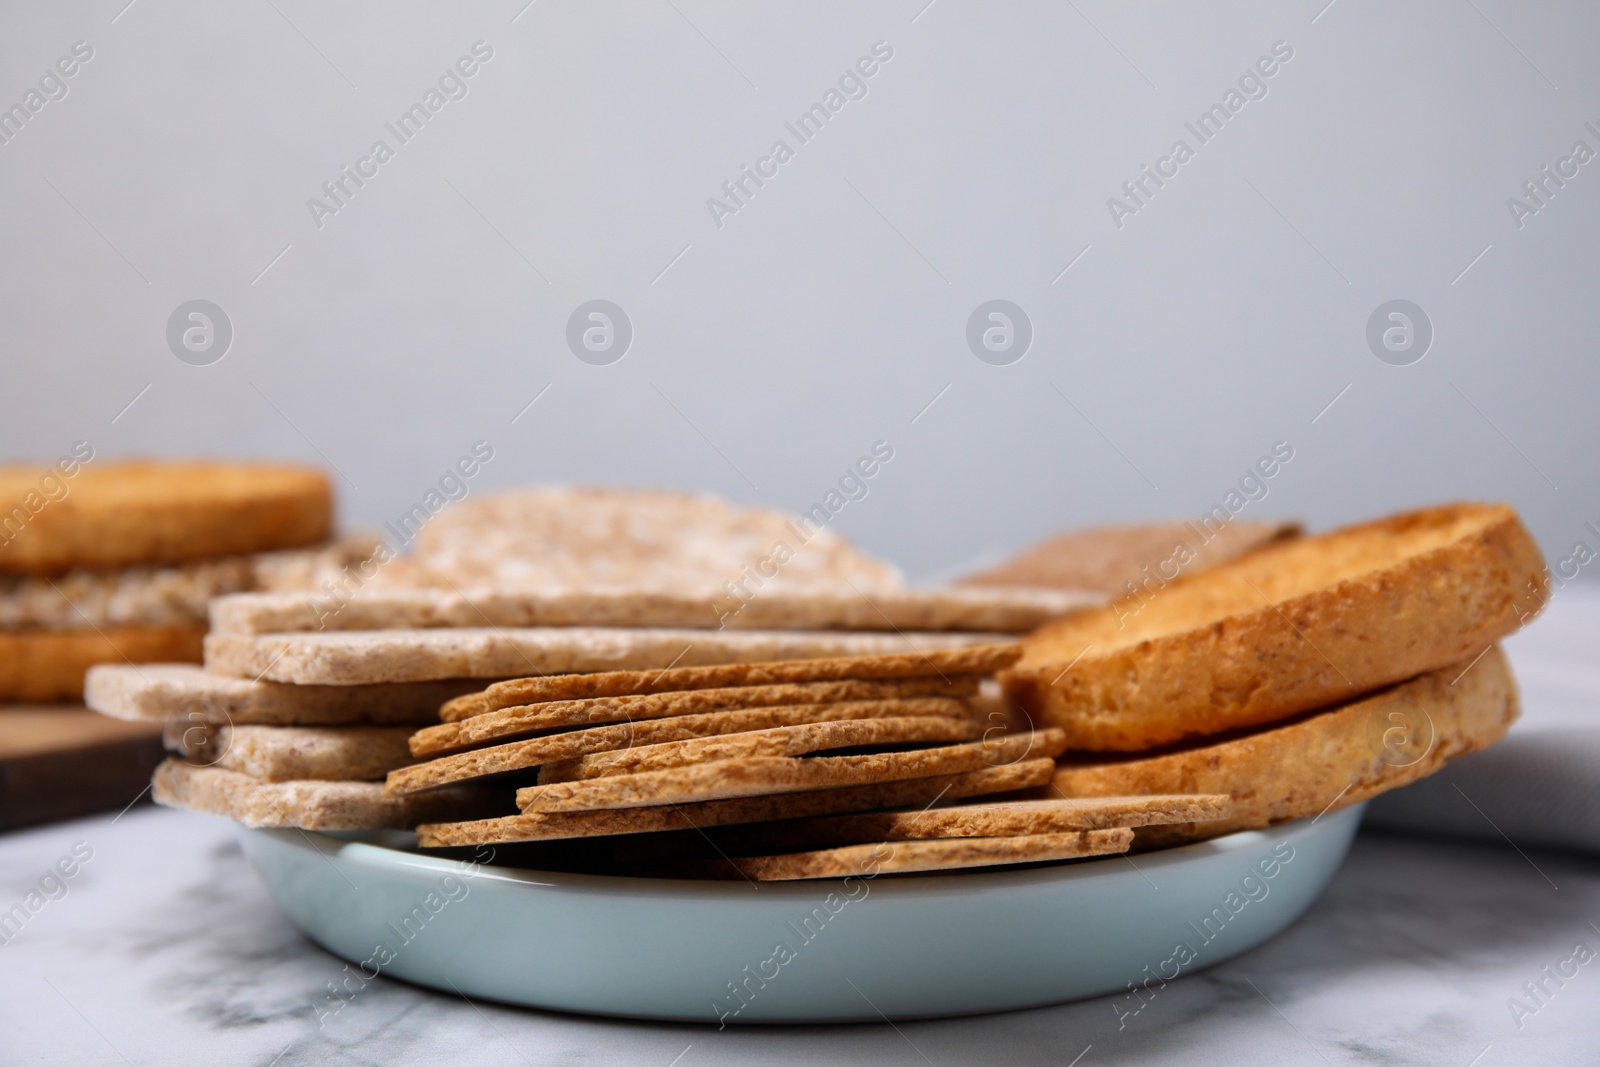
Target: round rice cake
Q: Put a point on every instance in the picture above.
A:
(49, 665)
(124, 514)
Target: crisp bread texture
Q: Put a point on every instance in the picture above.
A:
(310, 805)
(904, 857)
(753, 776)
(986, 610)
(49, 665)
(1105, 559)
(798, 740)
(570, 744)
(1297, 625)
(161, 691)
(1325, 762)
(980, 659)
(290, 753)
(695, 817)
(366, 657)
(553, 539)
(995, 819)
(126, 514)
(175, 595)
(555, 714)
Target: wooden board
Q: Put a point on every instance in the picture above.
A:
(60, 762)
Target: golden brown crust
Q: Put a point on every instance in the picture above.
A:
(125, 514)
(1298, 625)
(978, 659)
(1328, 761)
(553, 826)
(48, 665)
(571, 744)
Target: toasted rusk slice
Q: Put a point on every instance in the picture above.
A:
(312, 805)
(753, 776)
(363, 657)
(49, 665)
(898, 664)
(1322, 763)
(1008, 818)
(555, 826)
(778, 741)
(905, 857)
(570, 744)
(292, 753)
(1297, 625)
(599, 711)
(157, 692)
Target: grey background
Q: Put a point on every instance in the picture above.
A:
(832, 309)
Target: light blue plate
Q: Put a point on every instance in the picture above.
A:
(820, 951)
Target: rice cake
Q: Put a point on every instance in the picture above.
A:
(364, 657)
(160, 691)
(49, 665)
(311, 805)
(291, 753)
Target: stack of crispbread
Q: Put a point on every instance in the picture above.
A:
(301, 686)
(771, 771)
(115, 562)
(1307, 675)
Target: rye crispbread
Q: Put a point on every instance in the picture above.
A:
(132, 513)
(1327, 761)
(985, 610)
(570, 744)
(49, 665)
(555, 714)
(754, 776)
(798, 740)
(1105, 558)
(366, 657)
(1009, 818)
(292, 753)
(693, 817)
(161, 691)
(975, 659)
(1296, 625)
(311, 805)
(905, 857)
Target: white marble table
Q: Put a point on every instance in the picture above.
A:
(165, 949)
